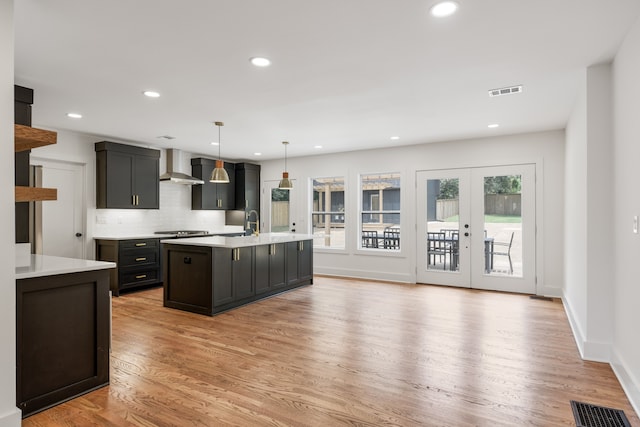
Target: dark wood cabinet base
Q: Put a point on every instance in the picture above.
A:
(207, 280)
(62, 338)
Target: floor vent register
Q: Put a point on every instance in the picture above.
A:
(588, 415)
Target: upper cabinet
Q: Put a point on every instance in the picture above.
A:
(127, 177)
(209, 195)
(247, 187)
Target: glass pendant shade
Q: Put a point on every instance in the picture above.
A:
(219, 175)
(285, 182)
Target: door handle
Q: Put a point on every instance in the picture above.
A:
(78, 234)
(466, 234)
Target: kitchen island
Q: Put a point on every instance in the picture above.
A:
(208, 275)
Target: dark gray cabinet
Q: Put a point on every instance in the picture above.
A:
(212, 196)
(62, 338)
(127, 177)
(138, 262)
(299, 261)
(270, 267)
(247, 187)
(232, 275)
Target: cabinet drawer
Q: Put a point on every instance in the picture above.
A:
(138, 257)
(138, 277)
(139, 244)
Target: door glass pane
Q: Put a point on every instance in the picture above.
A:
(443, 216)
(279, 210)
(503, 225)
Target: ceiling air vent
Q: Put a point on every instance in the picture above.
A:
(505, 91)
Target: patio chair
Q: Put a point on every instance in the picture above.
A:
(391, 238)
(369, 239)
(437, 248)
(502, 251)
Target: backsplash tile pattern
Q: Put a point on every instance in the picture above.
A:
(174, 214)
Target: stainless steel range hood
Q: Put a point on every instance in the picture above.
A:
(173, 174)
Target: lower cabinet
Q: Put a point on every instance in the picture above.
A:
(210, 280)
(138, 262)
(270, 267)
(232, 275)
(299, 261)
(62, 338)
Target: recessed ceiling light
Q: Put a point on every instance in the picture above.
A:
(395, 138)
(260, 62)
(215, 143)
(74, 115)
(151, 94)
(317, 147)
(493, 125)
(444, 8)
(257, 154)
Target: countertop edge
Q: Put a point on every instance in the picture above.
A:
(241, 241)
(45, 265)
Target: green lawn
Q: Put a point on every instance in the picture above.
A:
(497, 219)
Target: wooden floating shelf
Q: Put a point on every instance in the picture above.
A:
(28, 194)
(27, 137)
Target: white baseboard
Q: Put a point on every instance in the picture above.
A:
(589, 350)
(364, 274)
(578, 336)
(630, 385)
(12, 418)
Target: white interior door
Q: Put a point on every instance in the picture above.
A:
(477, 228)
(63, 220)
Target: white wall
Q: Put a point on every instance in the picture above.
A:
(575, 232)
(545, 149)
(589, 253)
(9, 414)
(626, 203)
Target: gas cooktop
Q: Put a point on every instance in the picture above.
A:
(182, 233)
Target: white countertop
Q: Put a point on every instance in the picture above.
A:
(241, 241)
(120, 236)
(45, 265)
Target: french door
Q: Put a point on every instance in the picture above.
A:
(476, 227)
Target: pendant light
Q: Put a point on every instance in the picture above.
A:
(219, 174)
(285, 182)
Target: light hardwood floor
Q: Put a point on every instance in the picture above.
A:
(345, 352)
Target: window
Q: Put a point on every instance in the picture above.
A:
(327, 212)
(380, 211)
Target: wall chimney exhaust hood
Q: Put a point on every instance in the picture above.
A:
(173, 174)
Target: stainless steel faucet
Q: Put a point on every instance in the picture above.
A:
(256, 222)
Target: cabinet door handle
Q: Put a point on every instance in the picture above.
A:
(141, 259)
(238, 256)
(137, 200)
(133, 199)
(301, 246)
(141, 244)
(141, 276)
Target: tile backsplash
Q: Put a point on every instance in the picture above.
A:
(174, 214)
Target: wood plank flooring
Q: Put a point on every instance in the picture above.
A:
(344, 352)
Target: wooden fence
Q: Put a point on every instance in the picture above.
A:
(494, 204)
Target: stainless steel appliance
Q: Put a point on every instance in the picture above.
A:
(184, 233)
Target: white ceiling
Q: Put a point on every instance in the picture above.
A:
(345, 74)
